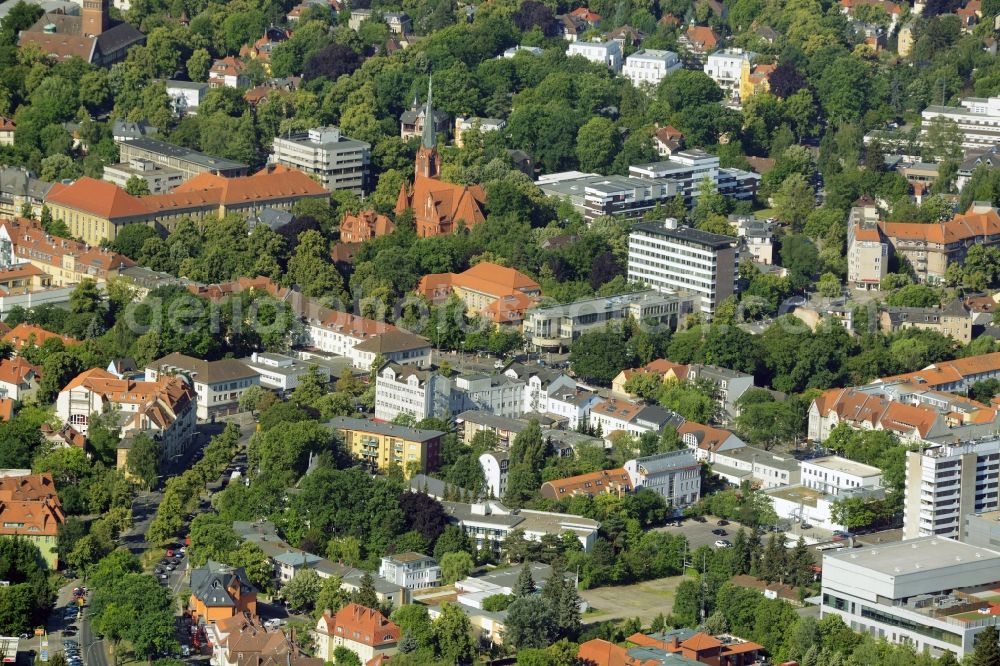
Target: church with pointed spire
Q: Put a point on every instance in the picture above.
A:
(439, 207)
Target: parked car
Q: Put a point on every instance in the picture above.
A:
(722, 522)
(806, 526)
(722, 543)
(719, 532)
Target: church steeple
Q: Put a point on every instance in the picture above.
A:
(428, 161)
(428, 140)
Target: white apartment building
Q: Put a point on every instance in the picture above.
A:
(650, 66)
(686, 169)
(725, 68)
(633, 418)
(977, 118)
(763, 468)
(867, 251)
(280, 372)
(498, 394)
(540, 386)
(919, 591)
(945, 483)
(608, 54)
(218, 384)
(495, 464)
(340, 163)
(555, 327)
(465, 124)
(411, 570)
(362, 340)
(758, 237)
(409, 390)
(833, 474)
(163, 408)
(489, 523)
(676, 476)
(668, 257)
(574, 405)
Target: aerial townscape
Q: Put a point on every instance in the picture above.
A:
(499, 332)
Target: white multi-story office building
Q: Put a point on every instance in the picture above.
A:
(339, 162)
(978, 119)
(557, 326)
(675, 475)
(280, 372)
(408, 390)
(725, 67)
(669, 257)
(924, 592)
(833, 474)
(608, 54)
(686, 168)
(650, 66)
(594, 195)
(413, 571)
(945, 483)
(497, 394)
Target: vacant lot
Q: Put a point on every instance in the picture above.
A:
(642, 600)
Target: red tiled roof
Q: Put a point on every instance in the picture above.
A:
(362, 625)
(7, 124)
(17, 371)
(99, 198)
(22, 333)
(32, 243)
(599, 652)
(364, 226)
(6, 409)
(702, 37)
(485, 277)
(594, 483)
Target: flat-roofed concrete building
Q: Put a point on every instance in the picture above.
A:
(670, 258)
(158, 178)
(925, 592)
(834, 474)
(594, 195)
(557, 326)
(188, 162)
(339, 162)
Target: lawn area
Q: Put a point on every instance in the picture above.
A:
(764, 213)
(643, 600)
(151, 557)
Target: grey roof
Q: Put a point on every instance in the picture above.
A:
(186, 154)
(393, 341)
(926, 553)
(434, 487)
(388, 429)
(666, 461)
(272, 218)
(752, 454)
(716, 371)
(21, 183)
(481, 417)
(52, 6)
(186, 85)
(687, 234)
(208, 372)
(409, 117)
(210, 582)
(570, 438)
(118, 37)
(294, 559)
(659, 416)
(132, 129)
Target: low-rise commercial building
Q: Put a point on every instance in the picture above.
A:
(761, 468)
(555, 327)
(384, 445)
(186, 96)
(280, 372)
(924, 592)
(189, 162)
(489, 523)
(337, 161)
(595, 196)
(413, 571)
(833, 474)
(675, 475)
(218, 384)
(159, 179)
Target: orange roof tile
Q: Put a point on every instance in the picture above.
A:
(623, 410)
(32, 243)
(362, 625)
(7, 124)
(485, 277)
(594, 483)
(17, 371)
(866, 234)
(509, 309)
(100, 198)
(599, 652)
(701, 641)
(702, 37)
(22, 333)
(707, 437)
(6, 409)
(265, 184)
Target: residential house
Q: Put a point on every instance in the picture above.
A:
(228, 72)
(759, 237)
(186, 96)
(163, 407)
(730, 385)
(413, 121)
(218, 384)
(608, 53)
(24, 335)
(867, 251)
(465, 124)
(242, 640)
(482, 286)
(699, 40)
(262, 49)
(68, 262)
(605, 482)
(383, 445)
(572, 404)
(364, 226)
(410, 390)
(439, 207)
(614, 415)
(414, 571)
(726, 66)
(18, 379)
(754, 79)
(360, 339)
(30, 509)
(20, 189)
(504, 428)
(675, 475)
(668, 140)
(953, 319)
(219, 591)
(893, 10)
(956, 375)
(7, 128)
(666, 370)
(363, 631)
(92, 36)
(707, 442)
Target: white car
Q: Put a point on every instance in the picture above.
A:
(722, 543)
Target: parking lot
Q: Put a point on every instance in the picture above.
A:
(700, 534)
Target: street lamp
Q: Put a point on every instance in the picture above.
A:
(91, 647)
